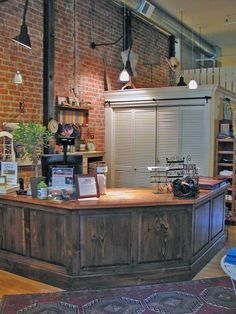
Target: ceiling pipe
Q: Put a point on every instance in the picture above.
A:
(169, 25)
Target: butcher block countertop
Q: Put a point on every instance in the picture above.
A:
(115, 198)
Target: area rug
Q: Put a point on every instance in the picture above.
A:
(196, 296)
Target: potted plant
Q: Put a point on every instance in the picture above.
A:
(33, 137)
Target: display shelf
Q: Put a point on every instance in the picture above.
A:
(72, 108)
(67, 114)
(225, 161)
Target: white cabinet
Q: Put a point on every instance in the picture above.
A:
(147, 136)
(143, 127)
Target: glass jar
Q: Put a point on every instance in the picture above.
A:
(101, 170)
(42, 190)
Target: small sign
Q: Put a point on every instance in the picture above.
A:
(9, 170)
(62, 179)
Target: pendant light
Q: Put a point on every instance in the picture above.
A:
(192, 84)
(17, 79)
(127, 72)
(181, 79)
(23, 38)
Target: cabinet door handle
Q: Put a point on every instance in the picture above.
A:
(135, 169)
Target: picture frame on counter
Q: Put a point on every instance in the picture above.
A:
(86, 186)
(10, 171)
(3, 180)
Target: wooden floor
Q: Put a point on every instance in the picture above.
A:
(13, 284)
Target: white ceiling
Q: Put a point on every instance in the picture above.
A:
(208, 18)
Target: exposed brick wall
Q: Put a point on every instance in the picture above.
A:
(30, 62)
(96, 20)
(102, 21)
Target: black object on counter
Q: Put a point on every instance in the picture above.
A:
(21, 191)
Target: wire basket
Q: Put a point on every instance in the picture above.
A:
(185, 188)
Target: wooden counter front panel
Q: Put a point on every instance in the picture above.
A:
(161, 238)
(105, 239)
(217, 216)
(12, 227)
(201, 225)
(208, 223)
(49, 236)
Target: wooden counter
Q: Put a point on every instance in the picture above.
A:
(129, 236)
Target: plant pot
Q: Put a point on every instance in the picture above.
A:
(34, 181)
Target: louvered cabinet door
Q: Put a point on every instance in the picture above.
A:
(144, 144)
(134, 146)
(168, 134)
(123, 148)
(195, 137)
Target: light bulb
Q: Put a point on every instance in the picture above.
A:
(124, 76)
(18, 79)
(192, 84)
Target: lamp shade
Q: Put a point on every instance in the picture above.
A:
(192, 84)
(181, 81)
(23, 38)
(124, 76)
(17, 78)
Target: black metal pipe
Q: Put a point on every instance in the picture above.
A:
(48, 60)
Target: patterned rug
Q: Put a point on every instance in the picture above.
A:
(196, 296)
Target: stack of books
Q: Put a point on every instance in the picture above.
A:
(8, 188)
(208, 183)
(230, 257)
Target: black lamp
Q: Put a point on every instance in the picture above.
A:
(23, 38)
(181, 82)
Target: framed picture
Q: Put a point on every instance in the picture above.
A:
(3, 180)
(225, 127)
(62, 101)
(21, 157)
(86, 186)
(73, 101)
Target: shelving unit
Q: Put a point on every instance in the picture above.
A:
(225, 161)
(72, 114)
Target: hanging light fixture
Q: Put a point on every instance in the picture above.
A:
(181, 79)
(17, 79)
(192, 84)
(127, 72)
(23, 38)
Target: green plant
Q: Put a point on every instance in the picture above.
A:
(34, 137)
